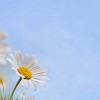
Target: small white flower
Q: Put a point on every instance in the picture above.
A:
(27, 69)
(4, 48)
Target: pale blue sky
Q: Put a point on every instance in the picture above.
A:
(65, 37)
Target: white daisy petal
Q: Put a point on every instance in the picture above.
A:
(34, 68)
(13, 59)
(33, 85)
(18, 57)
(38, 71)
(14, 69)
(22, 76)
(27, 85)
(23, 82)
(41, 77)
(25, 61)
(11, 62)
(38, 75)
(32, 61)
(39, 81)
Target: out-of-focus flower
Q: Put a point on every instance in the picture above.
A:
(2, 81)
(4, 48)
(27, 69)
(23, 93)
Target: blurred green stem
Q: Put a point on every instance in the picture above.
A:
(15, 88)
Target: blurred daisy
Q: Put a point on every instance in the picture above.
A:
(23, 93)
(27, 69)
(2, 81)
(4, 48)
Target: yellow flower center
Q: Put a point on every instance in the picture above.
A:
(1, 80)
(25, 72)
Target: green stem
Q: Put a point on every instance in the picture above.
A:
(15, 88)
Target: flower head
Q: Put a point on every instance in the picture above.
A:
(27, 69)
(4, 48)
(3, 81)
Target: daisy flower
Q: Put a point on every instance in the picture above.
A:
(27, 69)
(4, 48)
(3, 81)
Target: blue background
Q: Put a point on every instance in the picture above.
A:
(65, 37)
